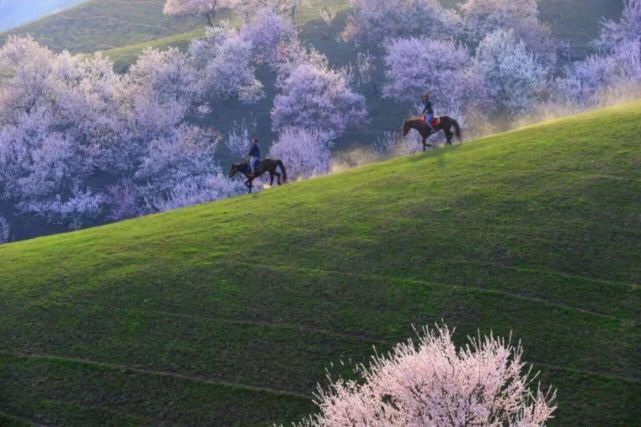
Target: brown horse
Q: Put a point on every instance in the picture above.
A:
(265, 166)
(445, 124)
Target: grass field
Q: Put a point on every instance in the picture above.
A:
(231, 312)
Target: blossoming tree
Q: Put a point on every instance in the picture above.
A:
(431, 382)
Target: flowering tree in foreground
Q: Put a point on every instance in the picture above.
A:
(431, 382)
(207, 8)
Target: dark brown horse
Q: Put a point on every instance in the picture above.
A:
(265, 166)
(445, 124)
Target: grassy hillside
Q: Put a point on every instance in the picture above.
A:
(230, 312)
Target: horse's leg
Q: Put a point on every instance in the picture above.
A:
(271, 178)
(425, 141)
(277, 177)
(449, 135)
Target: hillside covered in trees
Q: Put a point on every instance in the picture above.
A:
(84, 143)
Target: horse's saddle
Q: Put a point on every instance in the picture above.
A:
(436, 120)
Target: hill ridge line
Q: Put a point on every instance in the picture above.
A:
(119, 367)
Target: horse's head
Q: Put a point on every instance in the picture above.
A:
(234, 170)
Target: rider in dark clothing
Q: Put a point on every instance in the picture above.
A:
(428, 110)
(254, 156)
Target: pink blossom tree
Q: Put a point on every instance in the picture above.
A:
(206, 8)
(431, 382)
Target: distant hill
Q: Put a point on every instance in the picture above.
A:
(103, 25)
(14, 13)
(229, 313)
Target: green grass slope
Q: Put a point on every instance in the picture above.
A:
(231, 312)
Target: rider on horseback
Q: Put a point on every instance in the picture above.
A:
(428, 110)
(254, 156)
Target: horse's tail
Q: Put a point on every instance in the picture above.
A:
(281, 165)
(457, 130)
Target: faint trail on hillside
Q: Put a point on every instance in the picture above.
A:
(631, 286)
(489, 291)
(259, 323)
(22, 419)
(586, 372)
(144, 371)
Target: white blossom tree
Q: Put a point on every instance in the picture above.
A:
(226, 65)
(306, 153)
(431, 382)
(375, 20)
(416, 65)
(269, 34)
(514, 77)
(79, 144)
(313, 96)
(206, 8)
(482, 17)
(604, 78)
(614, 73)
(627, 29)
(5, 230)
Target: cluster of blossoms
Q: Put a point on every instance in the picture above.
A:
(431, 382)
